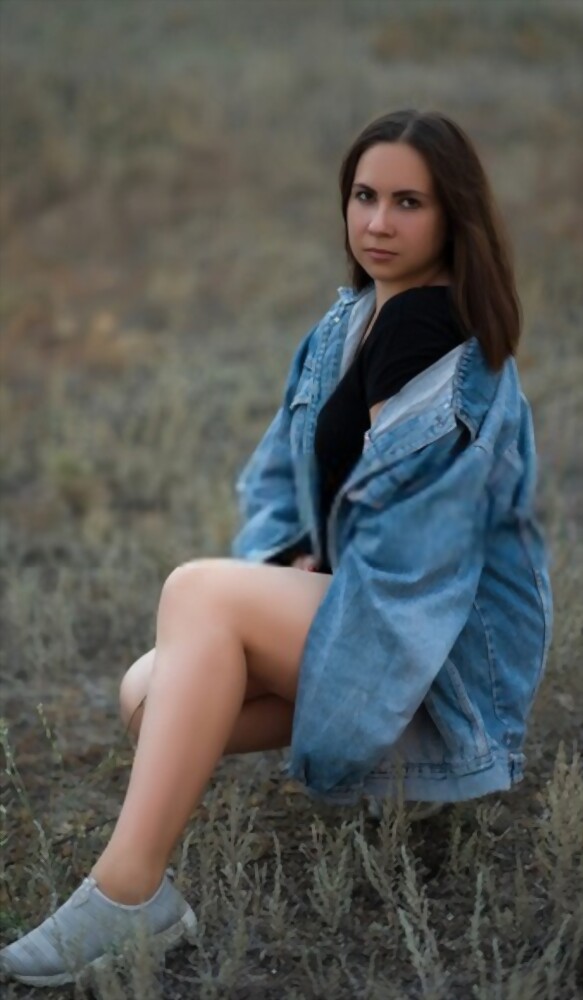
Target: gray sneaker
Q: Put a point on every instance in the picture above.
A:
(85, 932)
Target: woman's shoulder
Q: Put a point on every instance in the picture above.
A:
(415, 315)
(426, 314)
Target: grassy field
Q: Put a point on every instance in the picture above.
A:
(170, 230)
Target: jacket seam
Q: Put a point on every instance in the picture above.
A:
(545, 614)
(491, 660)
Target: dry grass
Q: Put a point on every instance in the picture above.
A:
(170, 230)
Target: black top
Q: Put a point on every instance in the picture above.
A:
(411, 332)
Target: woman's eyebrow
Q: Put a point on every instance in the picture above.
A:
(410, 191)
(396, 194)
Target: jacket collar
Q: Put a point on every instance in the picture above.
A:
(349, 295)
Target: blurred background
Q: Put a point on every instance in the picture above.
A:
(170, 229)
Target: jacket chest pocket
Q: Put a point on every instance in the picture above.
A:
(299, 408)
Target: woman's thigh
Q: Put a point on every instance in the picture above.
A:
(271, 608)
(136, 681)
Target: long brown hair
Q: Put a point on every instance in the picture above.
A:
(477, 250)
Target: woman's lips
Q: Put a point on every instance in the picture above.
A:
(381, 254)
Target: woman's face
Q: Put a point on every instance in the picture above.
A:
(396, 226)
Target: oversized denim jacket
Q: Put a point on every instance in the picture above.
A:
(423, 659)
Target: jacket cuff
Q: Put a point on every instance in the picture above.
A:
(287, 556)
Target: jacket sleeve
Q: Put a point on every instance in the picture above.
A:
(269, 523)
(401, 594)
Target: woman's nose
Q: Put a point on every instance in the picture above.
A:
(381, 221)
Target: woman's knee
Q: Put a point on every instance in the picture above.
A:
(192, 585)
(185, 580)
(134, 685)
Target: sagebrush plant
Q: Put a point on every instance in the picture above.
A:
(137, 380)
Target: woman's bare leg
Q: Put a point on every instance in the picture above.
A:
(264, 723)
(219, 621)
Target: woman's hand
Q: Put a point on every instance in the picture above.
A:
(306, 562)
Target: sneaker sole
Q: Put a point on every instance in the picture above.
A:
(184, 930)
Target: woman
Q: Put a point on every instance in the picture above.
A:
(399, 470)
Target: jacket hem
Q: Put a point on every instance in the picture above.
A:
(263, 555)
(505, 771)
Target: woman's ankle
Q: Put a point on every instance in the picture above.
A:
(122, 883)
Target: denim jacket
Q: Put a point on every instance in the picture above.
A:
(424, 657)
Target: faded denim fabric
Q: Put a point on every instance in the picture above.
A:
(424, 658)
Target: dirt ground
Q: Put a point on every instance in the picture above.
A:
(170, 230)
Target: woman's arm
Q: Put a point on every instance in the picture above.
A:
(270, 527)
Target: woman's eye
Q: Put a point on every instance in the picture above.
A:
(412, 200)
(363, 195)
